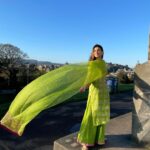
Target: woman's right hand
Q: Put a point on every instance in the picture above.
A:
(82, 89)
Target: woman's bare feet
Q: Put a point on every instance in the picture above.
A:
(84, 147)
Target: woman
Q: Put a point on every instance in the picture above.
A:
(97, 113)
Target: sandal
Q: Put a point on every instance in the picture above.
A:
(101, 143)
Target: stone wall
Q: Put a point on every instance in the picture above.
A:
(141, 104)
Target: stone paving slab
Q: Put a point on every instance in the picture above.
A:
(118, 134)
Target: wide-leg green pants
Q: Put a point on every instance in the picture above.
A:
(88, 133)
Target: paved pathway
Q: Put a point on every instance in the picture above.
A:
(118, 134)
(57, 122)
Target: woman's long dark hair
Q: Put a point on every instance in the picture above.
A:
(92, 56)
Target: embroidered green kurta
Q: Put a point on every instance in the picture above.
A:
(99, 101)
(96, 115)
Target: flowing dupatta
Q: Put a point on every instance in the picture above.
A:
(49, 90)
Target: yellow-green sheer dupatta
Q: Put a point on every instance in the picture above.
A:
(48, 90)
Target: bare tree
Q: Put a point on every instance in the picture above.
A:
(10, 55)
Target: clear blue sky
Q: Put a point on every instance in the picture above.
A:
(65, 30)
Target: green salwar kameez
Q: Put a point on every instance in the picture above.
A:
(96, 115)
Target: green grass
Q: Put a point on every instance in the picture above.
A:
(125, 87)
(5, 100)
(83, 96)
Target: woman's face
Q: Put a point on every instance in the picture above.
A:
(97, 52)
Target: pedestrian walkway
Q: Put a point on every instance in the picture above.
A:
(57, 122)
(118, 134)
